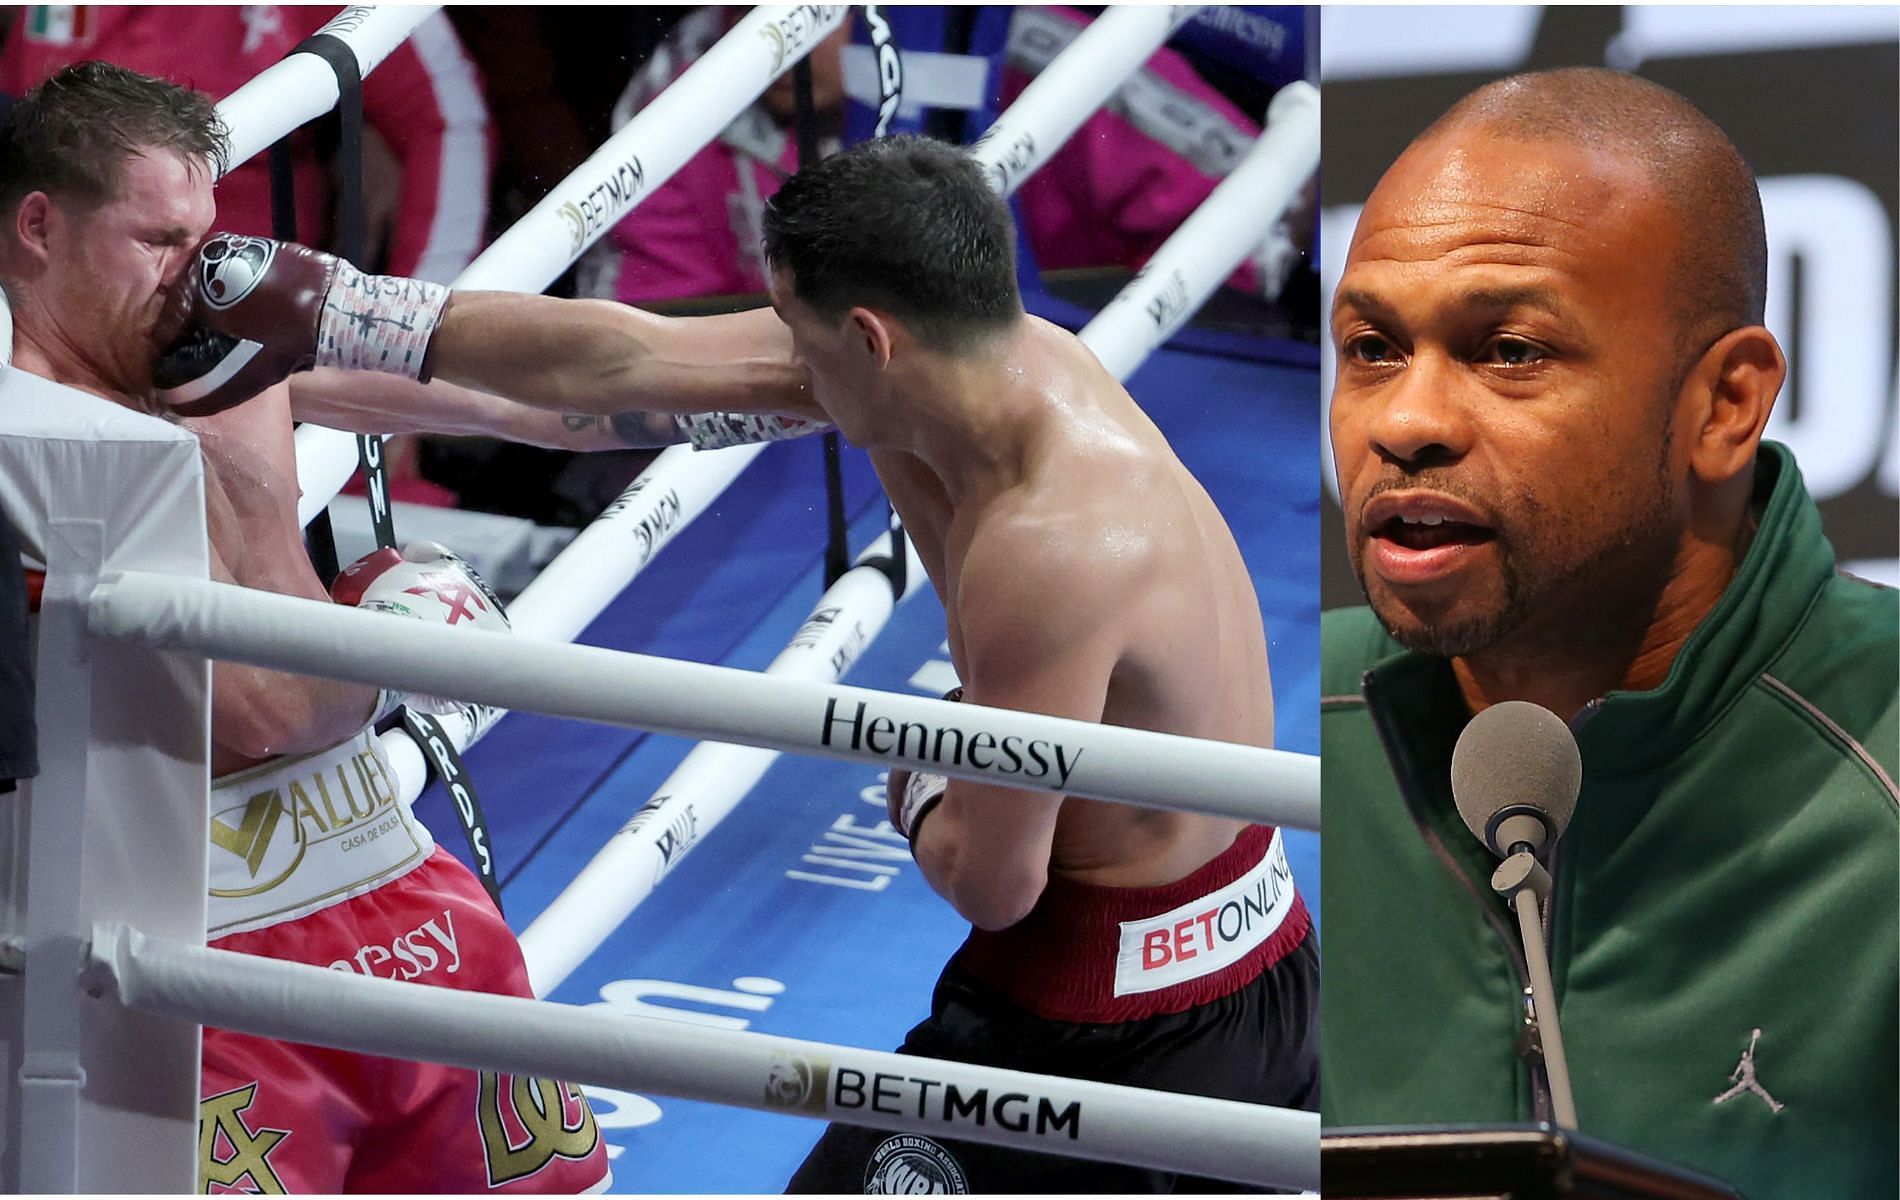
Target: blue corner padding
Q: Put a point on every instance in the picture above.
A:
(729, 939)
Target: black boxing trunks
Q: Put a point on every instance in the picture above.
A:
(1208, 986)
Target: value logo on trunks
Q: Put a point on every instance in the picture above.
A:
(908, 1165)
(347, 793)
(1206, 935)
(1010, 755)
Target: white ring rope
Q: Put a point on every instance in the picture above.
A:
(1023, 750)
(1199, 256)
(616, 546)
(1192, 1134)
(707, 785)
(682, 483)
(1077, 82)
(646, 152)
(303, 87)
(705, 788)
(591, 572)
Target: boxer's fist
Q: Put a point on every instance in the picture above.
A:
(251, 312)
(425, 581)
(909, 797)
(244, 317)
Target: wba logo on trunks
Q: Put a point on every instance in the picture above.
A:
(908, 1165)
(296, 835)
(1206, 935)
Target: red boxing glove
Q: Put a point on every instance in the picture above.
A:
(251, 312)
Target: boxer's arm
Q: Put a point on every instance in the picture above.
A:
(254, 312)
(599, 358)
(366, 402)
(258, 713)
(1032, 644)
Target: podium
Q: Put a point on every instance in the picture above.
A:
(1498, 1162)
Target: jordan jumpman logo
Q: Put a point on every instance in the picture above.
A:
(1743, 1076)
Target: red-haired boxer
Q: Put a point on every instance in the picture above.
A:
(314, 857)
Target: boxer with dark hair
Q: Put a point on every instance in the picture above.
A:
(1084, 573)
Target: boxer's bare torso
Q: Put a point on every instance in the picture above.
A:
(251, 496)
(1091, 512)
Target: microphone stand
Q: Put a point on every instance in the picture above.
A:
(1522, 881)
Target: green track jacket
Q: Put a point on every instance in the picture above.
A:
(1733, 866)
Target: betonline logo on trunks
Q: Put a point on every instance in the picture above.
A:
(1206, 935)
(1025, 758)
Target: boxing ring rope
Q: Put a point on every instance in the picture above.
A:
(1247, 1142)
(1196, 258)
(1105, 762)
(591, 571)
(1077, 82)
(709, 783)
(1106, 1122)
(712, 780)
(303, 87)
(646, 152)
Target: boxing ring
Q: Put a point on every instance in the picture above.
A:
(615, 1046)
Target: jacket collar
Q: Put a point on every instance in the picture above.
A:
(1759, 612)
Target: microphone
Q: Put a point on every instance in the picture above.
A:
(1515, 775)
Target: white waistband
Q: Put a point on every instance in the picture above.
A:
(297, 835)
(1210, 934)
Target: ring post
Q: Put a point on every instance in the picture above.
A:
(114, 826)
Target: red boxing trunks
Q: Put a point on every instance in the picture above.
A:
(281, 1117)
(317, 860)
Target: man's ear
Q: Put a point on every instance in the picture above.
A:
(1732, 390)
(32, 224)
(874, 333)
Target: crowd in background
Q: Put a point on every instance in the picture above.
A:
(485, 109)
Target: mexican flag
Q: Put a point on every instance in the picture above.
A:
(59, 24)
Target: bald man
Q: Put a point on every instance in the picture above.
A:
(1552, 379)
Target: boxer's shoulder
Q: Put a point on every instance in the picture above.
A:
(1033, 592)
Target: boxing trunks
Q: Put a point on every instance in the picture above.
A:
(1209, 986)
(317, 860)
